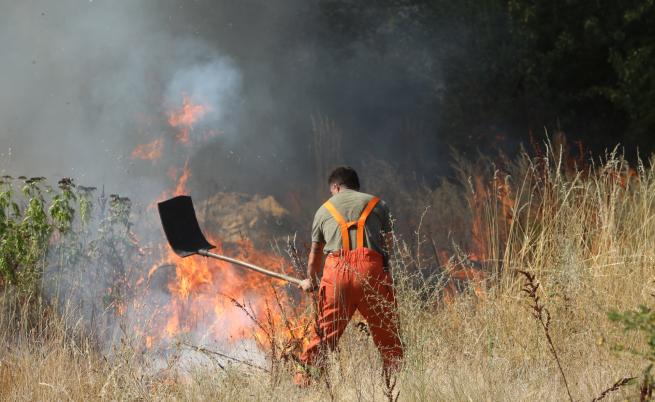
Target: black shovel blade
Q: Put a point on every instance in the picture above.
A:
(181, 226)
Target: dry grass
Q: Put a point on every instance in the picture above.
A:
(587, 236)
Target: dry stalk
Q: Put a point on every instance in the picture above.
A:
(268, 329)
(293, 344)
(390, 381)
(323, 344)
(617, 385)
(282, 349)
(327, 148)
(645, 390)
(417, 232)
(298, 262)
(210, 352)
(272, 338)
(251, 315)
(541, 314)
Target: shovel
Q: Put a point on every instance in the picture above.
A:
(178, 217)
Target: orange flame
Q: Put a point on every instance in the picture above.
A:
(181, 187)
(461, 272)
(150, 151)
(185, 118)
(181, 182)
(486, 195)
(209, 298)
(478, 232)
(494, 194)
(205, 293)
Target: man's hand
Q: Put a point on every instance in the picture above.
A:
(308, 286)
(314, 263)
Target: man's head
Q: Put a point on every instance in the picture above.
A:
(343, 177)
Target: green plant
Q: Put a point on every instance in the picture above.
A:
(37, 222)
(25, 230)
(61, 209)
(641, 320)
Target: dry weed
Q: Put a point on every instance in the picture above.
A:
(587, 235)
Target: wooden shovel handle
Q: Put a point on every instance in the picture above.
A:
(253, 267)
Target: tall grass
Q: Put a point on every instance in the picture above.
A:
(585, 232)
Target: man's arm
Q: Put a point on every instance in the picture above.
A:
(314, 268)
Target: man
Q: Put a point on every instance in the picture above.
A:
(354, 230)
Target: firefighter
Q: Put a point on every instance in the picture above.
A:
(353, 231)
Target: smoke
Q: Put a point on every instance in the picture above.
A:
(214, 84)
(84, 82)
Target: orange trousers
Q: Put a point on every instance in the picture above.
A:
(355, 280)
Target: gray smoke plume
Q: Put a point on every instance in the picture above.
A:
(214, 84)
(84, 82)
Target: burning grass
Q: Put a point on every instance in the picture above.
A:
(586, 234)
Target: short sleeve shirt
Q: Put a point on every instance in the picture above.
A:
(351, 204)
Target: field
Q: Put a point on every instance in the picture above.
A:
(584, 229)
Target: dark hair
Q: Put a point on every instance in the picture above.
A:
(344, 175)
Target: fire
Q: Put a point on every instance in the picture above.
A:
(181, 187)
(495, 194)
(208, 297)
(150, 151)
(460, 272)
(216, 301)
(181, 181)
(486, 195)
(478, 227)
(185, 118)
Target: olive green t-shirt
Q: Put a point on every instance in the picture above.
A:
(351, 204)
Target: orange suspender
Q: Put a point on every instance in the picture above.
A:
(345, 239)
(362, 221)
(345, 226)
